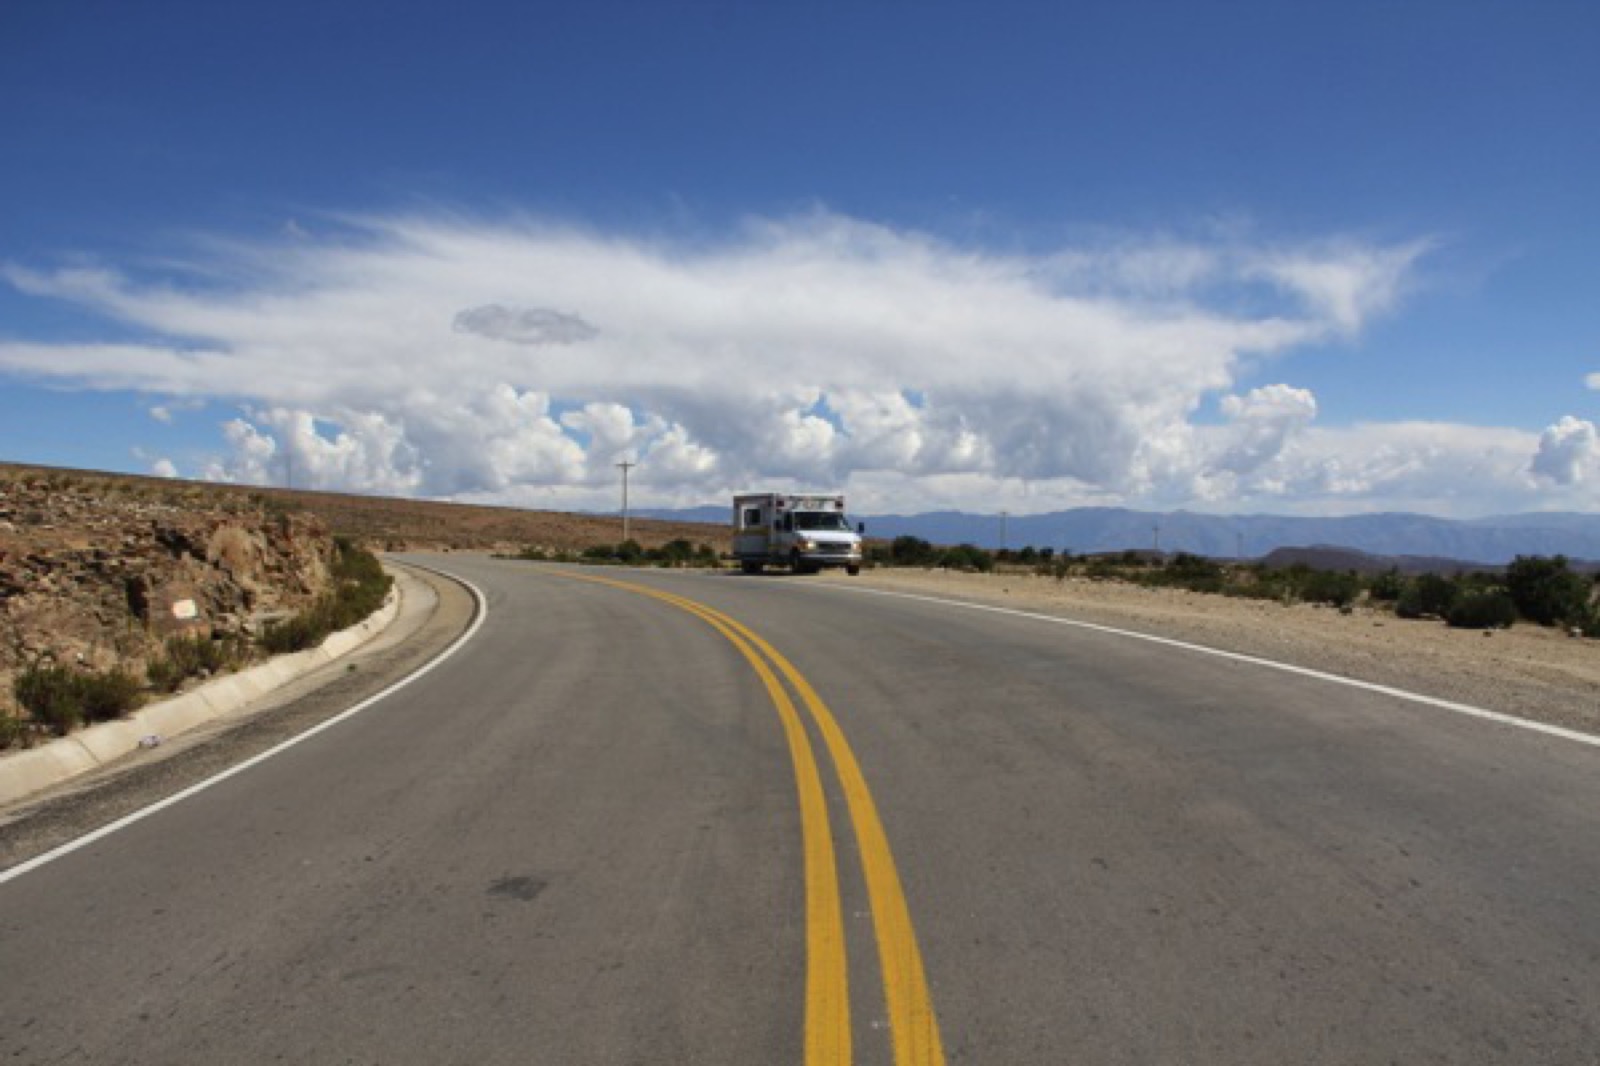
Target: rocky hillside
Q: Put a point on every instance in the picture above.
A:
(99, 571)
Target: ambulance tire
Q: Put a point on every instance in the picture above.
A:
(852, 570)
(750, 566)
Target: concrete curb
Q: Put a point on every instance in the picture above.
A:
(23, 773)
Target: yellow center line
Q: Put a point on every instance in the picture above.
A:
(827, 1018)
(912, 1023)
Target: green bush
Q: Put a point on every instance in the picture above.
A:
(13, 732)
(1329, 587)
(1545, 591)
(967, 557)
(1483, 609)
(193, 656)
(359, 589)
(1427, 595)
(61, 699)
(1184, 570)
(50, 694)
(1387, 586)
(912, 551)
(109, 696)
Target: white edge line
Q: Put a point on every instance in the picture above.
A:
(1254, 660)
(178, 797)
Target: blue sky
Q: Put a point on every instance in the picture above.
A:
(1231, 257)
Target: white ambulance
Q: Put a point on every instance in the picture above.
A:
(802, 532)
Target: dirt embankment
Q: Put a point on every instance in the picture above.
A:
(99, 572)
(1528, 671)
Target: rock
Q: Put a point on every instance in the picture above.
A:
(89, 574)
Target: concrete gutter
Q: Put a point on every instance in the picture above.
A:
(25, 772)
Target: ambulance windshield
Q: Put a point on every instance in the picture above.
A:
(820, 520)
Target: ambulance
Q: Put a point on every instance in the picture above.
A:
(802, 532)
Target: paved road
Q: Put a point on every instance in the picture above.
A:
(581, 841)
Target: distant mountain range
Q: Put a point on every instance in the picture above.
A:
(1099, 529)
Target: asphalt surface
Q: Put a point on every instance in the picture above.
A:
(578, 841)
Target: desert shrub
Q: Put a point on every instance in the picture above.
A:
(13, 732)
(1330, 587)
(912, 551)
(193, 655)
(1193, 572)
(1056, 566)
(61, 699)
(1483, 609)
(1545, 591)
(967, 557)
(50, 695)
(1103, 570)
(1427, 595)
(359, 589)
(110, 695)
(673, 553)
(1387, 586)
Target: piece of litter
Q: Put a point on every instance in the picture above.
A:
(151, 741)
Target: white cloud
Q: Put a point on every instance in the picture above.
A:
(413, 355)
(1593, 381)
(164, 468)
(1567, 451)
(1345, 284)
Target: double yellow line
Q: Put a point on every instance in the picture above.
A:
(913, 1027)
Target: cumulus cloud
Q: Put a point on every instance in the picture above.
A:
(1567, 451)
(1261, 422)
(164, 468)
(525, 325)
(414, 355)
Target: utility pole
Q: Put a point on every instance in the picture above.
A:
(625, 466)
(1003, 516)
(1156, 529)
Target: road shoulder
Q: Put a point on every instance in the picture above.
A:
(52, 817)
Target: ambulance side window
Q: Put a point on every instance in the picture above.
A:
(752, 517)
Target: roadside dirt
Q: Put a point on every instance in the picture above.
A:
(1528, 671)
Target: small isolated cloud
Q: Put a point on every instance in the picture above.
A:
(525, 325)
(164, 468)
(161, 414)
(1347, 284)
(1567, 451)
(1593, 381)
